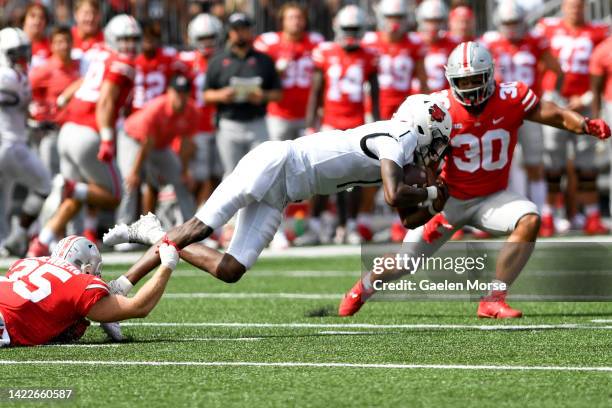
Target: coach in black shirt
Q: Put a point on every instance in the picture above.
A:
(240, 81)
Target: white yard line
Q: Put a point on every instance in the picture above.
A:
(416, 326)
(291, 364)
(253, 295)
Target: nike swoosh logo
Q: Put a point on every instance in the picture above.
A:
(496, 121)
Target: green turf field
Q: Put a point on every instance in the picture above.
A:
(272, 340)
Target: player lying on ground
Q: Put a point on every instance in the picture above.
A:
(49, 299)
(486, 117)
(276, 173)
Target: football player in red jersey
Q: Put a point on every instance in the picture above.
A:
(204, 33)
(400, 57)
(87, 139)
(49, 299)
(342, 68)
(34, 25)
(462, 23)
(154, 66)
(431, 17)
(291, 50)
(86, 32)
(518, 54)
(572, 40)
(486, 117)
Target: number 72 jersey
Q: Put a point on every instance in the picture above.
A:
(42, 297)
(482, 145)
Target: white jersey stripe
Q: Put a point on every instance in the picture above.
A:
(94, 286)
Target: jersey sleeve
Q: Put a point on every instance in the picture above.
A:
(94, 290)
(527, 97)
(119, 72)
(263, 43)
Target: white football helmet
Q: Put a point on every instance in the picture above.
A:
(471, 60)
(15, 48)
(395, 8)
(349, 26)
(432, 10)
(509, 18)
(204, 26)
(432, 123)
(80, 252)
(119, 29)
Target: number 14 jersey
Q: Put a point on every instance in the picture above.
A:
(483, 144)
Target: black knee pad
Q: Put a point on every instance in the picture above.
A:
(587, 180)
(553, 179)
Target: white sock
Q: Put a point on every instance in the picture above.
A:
(47, 236)
(90, 222)
(591, 209)
(80, 191)
(314, 224)
(364, 219)
(537, 193)
(366, 282)
(498, 283)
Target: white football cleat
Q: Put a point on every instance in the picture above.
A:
(147, 230)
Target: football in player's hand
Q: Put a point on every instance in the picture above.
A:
(417, 176)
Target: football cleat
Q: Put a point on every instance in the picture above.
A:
(353, 300)
(37, 249)
(594, 225)
(308, 238)
(494, 306)
(16, 243)
(547, 226)
(147, 231)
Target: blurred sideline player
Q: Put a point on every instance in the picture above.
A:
(572, 40)
(86, 32)
(18, 163)
(34, 26)
(486, 117)
(519, 56)
(276, 173)
(49, 81)
(462, 24)
(49, 299)
(432, 16)
(145, 151)
(291, 49)
(204, 33)
(342, 68)
(400, 59)
(87, 140)
(600, 68)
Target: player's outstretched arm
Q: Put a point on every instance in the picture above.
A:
(399, 194)
(105, 119)
(548, 113)
(115, 308)
(315, 98)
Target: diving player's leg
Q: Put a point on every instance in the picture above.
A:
(507, 213)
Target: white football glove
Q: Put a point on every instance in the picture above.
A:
(168, 255)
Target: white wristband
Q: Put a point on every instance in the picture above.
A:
(106, 134)
(431, 208)
(432, 192)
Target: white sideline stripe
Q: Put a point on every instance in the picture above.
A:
(221, 339)
(81, 345)
(194, 273)
(251, 295)
(304, 364)
(601, 321)
(369, 326)
(348, 333)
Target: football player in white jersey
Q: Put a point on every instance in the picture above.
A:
(18, 164)
(276, 173)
